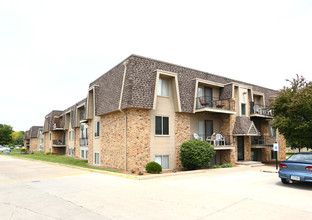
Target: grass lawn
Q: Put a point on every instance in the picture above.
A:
(61, 159)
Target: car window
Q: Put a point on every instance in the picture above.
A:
(300, 157)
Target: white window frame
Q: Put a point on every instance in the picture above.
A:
(161, 161)
(162, 90)
(94, 160)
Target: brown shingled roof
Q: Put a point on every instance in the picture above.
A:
(34, 131)
(244, 126)
(140, 81)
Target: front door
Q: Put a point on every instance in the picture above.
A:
(240, 148)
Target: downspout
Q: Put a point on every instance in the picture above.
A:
(120, 100)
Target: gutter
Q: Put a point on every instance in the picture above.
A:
(119, 108)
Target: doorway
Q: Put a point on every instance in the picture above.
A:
(240, 148)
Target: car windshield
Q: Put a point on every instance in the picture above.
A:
(301, 157)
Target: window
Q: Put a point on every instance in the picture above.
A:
(73, 135)
(40, 131)
(86, 154)
(161, 125)
(82, 154)
(272, 131)
(163, 160)
(50, 137)
(97, 129)
(163, 87)
(243, 107)
(97, 158)
(273, 154)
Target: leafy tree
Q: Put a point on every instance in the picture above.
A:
(5, 134)
(18, 137)
(293, 113)
(196, 153)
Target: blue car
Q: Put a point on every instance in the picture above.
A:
(297, 167)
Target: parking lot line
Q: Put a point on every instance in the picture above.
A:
(42, 177)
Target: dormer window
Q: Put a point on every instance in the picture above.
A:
(163, 87)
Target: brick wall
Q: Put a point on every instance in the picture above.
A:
(90, 141)
(182, 134)
(77, 142)
(138, 138)
(112, 134)
(33, 146)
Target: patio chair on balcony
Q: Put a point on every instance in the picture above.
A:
(211, 139)
(202, 102)
(219, 140)
(257, 109)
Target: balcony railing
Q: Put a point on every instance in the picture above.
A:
(214, 103)
(59, 143)
(83, 141)
(215, 140)
(260, 110)
(262, 140)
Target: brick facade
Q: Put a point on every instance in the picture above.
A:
(182, 134)
(138, 138)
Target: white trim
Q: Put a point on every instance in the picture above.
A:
(175, 76)
(99, 158)
(123, 83)
(79, 106)
(208, 82)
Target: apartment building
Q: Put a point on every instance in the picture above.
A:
(34, 139)
(66, 131)
(143, 109)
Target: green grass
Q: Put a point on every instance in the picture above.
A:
(61, 159)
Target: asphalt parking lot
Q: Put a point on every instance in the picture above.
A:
(37, 190)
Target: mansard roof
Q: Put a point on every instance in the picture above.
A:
(140, 80)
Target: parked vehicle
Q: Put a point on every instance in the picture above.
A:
(11, 147)
(17, 147)
(4, 149)
(297, 167)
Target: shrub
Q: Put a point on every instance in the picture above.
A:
(153, 167)
(226, 165)
(48, 153)
(132, 171)
(140, 173)
(196, 153)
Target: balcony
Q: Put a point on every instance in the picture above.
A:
(262, 141)
(213, 104)
(83, 141)
(218, 141)
(57, 125)
(58, 143)
(260, 111)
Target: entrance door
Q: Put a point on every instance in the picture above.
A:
(208, 128)
(240, 148)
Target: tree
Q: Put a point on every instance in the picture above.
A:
(5, 134)
(293, 113)
(196, 153)
(18, 137)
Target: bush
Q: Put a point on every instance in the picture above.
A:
(153, 167)
(196, 153)
(226, 165)
(49, 153)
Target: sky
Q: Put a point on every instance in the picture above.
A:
(50, 51)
